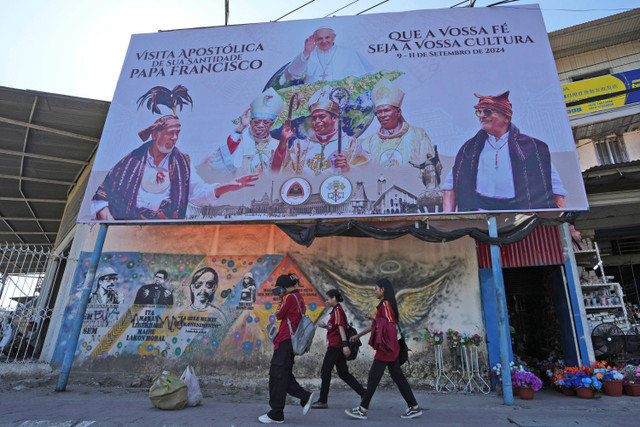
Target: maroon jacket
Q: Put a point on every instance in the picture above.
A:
(384, 335)
(337, 318)
(288, 310)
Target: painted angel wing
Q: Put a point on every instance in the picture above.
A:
(414, 303)
(362, 298)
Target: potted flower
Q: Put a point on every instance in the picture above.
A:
(496, 372)
(631, 380)
(586, 383)
(476, 340)
(611, 379)
(563, 380)
(434, 336)
(453, 337)
(527, 383)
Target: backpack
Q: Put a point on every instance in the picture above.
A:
(403, 356)
(303, 337)
(354, 346)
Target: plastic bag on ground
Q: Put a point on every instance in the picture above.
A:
(168, 391)
(194, 396)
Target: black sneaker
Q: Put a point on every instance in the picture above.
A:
(412, 412)
(319, 405)
(358, 412)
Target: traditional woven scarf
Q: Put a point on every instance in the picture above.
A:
(121, 185)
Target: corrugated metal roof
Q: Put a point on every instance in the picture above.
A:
(46, 141)
(605, 128)
(598, 34)
(541, 247)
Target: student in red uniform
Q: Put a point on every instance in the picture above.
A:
(281, 379)
(385, 340)
(337, 350)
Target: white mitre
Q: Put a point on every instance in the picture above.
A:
(268, 105)
(321, 100)
(386, 93)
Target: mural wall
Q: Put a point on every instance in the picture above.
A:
(207, 298)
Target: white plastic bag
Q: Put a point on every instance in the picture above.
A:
(194, 396)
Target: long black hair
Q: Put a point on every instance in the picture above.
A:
(334, 293)
(389, 295)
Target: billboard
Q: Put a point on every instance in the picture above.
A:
(383, 115)
(602, 93)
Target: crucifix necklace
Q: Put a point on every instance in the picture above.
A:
(325, 66)
(497, 149)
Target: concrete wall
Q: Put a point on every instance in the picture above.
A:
(436, 286)
(632, 142)
(616, 58)
(587, 150)
(586, 154)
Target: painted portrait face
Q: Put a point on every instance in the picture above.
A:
(204, 289)
(323, 122)
(388, 116)
(166, 138)
(260, 127)
(492, 122)
(109, 281)
(158, 279)
(324, 38)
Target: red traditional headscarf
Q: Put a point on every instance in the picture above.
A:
(499, 103)
(161, 123)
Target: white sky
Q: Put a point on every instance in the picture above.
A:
(76, 47)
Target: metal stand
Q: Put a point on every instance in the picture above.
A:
(441, 373)
(475, 382)
(457, 374)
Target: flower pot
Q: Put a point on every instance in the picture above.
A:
(632, 389)
(516, 391)
(612, 387)
(525, 393)
(584, 392)
(567, 391)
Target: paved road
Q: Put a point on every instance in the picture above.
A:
(95, 405)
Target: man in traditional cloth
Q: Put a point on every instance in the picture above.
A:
(156, 292)
(105, 288)
(397, 142)
(318, 153)
(155, 181)
(322, 60)
(250, 147)
(501, 168)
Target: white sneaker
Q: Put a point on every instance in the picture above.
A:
(307, 405)
(358, 412)
(265, 419)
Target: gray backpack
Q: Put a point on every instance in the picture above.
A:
(303, 337)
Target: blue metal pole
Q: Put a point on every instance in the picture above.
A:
(82, 308)
(503, 323)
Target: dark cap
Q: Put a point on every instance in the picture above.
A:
(287, 280)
